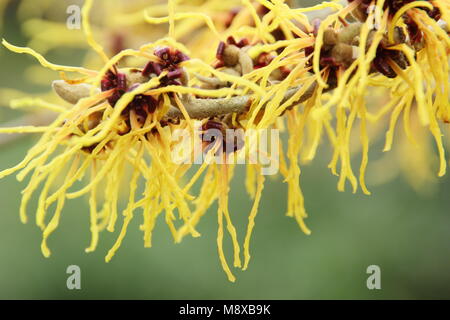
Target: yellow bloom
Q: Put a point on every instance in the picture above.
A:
(119, 134)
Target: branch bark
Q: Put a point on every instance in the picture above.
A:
(207, 108)
(195, 107)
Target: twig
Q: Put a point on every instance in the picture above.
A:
(206, 108)
(195, 107)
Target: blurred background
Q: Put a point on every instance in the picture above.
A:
(399, 228)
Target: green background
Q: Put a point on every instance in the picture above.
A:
(405, 233)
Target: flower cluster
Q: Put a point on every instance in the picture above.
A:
(270, 58)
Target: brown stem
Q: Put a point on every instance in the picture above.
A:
(207, 108)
